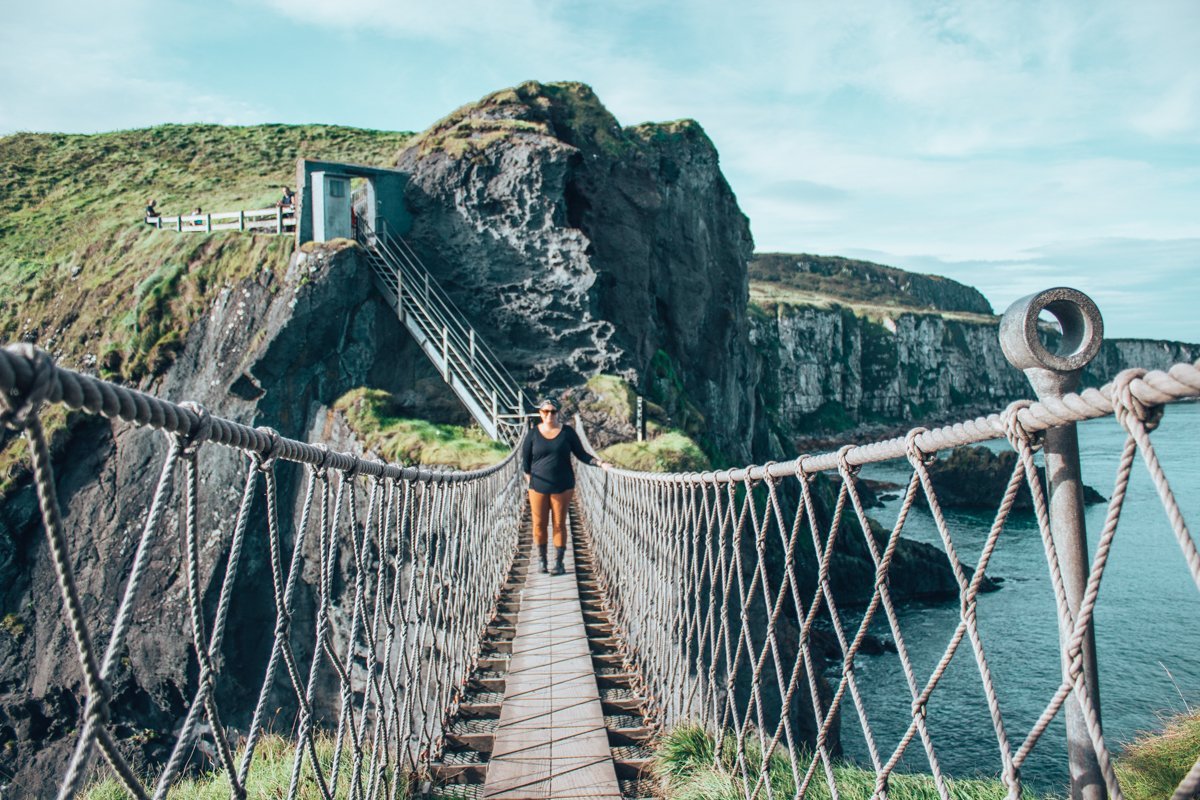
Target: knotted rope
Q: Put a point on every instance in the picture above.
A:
(423, 531)
(721, 585)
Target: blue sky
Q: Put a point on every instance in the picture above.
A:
(1010, 145)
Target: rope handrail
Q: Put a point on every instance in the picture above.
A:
(24, 368)
(406, 580)
(724, 587)
(1180, 383)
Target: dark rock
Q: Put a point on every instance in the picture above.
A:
(582, 247)
(976, 478)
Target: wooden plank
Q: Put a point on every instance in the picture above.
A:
(551, 741)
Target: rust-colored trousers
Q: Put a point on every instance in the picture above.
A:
(541, 506)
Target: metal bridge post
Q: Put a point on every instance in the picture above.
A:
(1052, 375)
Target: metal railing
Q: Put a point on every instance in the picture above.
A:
(402, 581)
(724, 585)
(281, 219)
(493, 397)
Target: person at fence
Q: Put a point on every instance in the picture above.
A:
(151, 212)
(289, 198)
(196, 211)
(546, 459)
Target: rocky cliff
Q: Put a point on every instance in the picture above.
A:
(279, 350)
(834, 364)
(582, 247)
(853, 280)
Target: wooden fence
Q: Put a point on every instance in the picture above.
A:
(263, 220)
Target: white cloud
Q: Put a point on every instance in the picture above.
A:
(96, 68)
(519, 22)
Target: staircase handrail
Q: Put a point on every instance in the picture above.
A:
(449, 314)
(436, 315)
(446, 317)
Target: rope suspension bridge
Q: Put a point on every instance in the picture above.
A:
(693, 598)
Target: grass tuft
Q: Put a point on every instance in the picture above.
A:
(1152, 766)
(414, 441)
(670, 451)
(689, 768)
(270, 775)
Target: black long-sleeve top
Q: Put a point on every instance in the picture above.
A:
(547, 462)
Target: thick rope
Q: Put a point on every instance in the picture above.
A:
(722, 617)
(703, 572)
(443, 539)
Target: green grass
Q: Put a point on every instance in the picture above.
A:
(83, 276)
(57, 422)
(862, 285)
(670, 451)
(1150, 767)
(413, 441)
(269, 777)
(611, 396)
(567, 110)
(687, 766)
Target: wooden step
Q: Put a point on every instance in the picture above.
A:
(460, 767)
(473, 734)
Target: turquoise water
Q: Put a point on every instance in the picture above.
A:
(1147, 622)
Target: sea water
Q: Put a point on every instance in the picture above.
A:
(1147, 622)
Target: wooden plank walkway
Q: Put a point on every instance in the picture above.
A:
(551, 741)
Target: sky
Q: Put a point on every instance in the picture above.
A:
(1013, 146)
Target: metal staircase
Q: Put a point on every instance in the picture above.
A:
(465, 362)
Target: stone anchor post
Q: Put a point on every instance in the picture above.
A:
(1053, 374)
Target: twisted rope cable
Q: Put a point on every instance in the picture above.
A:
(420, 523)
(701, 599)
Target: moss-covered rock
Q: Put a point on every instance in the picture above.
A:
(671, 451)
(371, 416)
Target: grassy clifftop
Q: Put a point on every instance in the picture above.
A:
(803, 279)
(84, 277)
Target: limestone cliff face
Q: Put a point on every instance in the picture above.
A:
(581, 247)
(828, 368)
(278, 350)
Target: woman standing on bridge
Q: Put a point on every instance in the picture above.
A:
(546, 458)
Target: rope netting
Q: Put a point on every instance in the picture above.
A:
(722, 584)
(408, 565)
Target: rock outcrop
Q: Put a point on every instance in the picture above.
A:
(829, 369)
(277, 350)
(976, 478)
(582, 247)
(849, 279)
